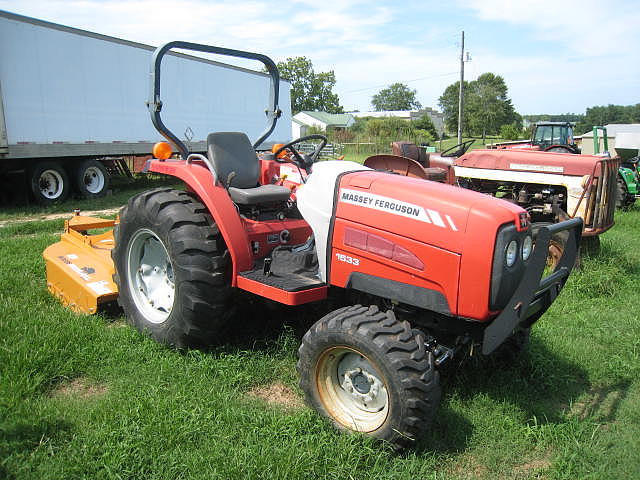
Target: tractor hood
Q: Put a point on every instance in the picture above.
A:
(530, 161)
(425, 211)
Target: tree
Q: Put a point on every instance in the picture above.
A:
(309, 90)
(511, 132)
(448, 102)
(604, 115)
(395, 97)
(425, 123)
(488, 104)
(486, 107)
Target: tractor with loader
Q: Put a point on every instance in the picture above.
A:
(416, 273)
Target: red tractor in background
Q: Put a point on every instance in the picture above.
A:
(551, 186)
(421, 271)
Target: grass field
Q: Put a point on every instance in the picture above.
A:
(89, 397)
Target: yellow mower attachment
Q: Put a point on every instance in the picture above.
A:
(79, 267)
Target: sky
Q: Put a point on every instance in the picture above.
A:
(555, 56)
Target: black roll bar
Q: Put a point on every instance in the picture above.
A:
(155, 104)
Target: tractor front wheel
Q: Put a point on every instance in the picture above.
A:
(370, 373)
(171, 268)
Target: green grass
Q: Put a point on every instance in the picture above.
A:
(88, 397)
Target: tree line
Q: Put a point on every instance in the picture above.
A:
(488, 110)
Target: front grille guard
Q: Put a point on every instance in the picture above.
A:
(535, 294)
(600, 195)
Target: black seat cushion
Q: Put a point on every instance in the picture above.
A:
(232, 152)
(258, 195)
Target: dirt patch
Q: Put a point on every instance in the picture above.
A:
(117, 324)
(277, 393)
(79, 388)
(57, 216)
(602, 403)
(524, 470)
(469, 467)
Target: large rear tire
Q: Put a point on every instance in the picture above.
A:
(171, 268)
(370, 373)
(623, 198)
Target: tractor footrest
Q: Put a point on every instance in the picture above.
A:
(292, 282)
(292, 289)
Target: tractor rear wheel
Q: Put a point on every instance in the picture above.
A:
(623, 198)
(171, 268)
(370, 373)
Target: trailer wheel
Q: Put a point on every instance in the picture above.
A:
(171, 268)
(49, 182)
(91, 178)
(368, 372)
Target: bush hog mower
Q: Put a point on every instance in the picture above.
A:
(552, 187)
(422, 271)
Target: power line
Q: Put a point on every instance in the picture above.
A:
(403, 81)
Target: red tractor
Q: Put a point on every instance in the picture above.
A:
(422, 271)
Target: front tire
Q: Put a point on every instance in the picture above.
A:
(171, 269)
(370, 373)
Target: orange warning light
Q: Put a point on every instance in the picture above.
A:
(162, 150)
(278, 146)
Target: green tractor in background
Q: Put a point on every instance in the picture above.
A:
(628, 188)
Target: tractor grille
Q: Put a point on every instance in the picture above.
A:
(601, 197)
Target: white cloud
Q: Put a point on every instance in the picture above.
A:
(588, 27)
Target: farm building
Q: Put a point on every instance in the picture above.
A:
(623, 139)
(302, 121)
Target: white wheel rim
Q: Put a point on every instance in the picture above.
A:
(50, 184)
(150, 276)
(351, 389)
(93, 180)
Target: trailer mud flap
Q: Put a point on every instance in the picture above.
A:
(535, 294)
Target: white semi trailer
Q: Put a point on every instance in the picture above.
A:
(71, 98)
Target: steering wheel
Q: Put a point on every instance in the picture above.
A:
(457, 150)
(306, 164)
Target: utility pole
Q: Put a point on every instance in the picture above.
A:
(461, 94)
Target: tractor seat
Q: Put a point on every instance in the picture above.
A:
(238, 168)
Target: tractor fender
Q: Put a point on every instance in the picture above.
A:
(215, 197)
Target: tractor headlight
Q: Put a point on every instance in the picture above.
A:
(527, 246)
(511, 253)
